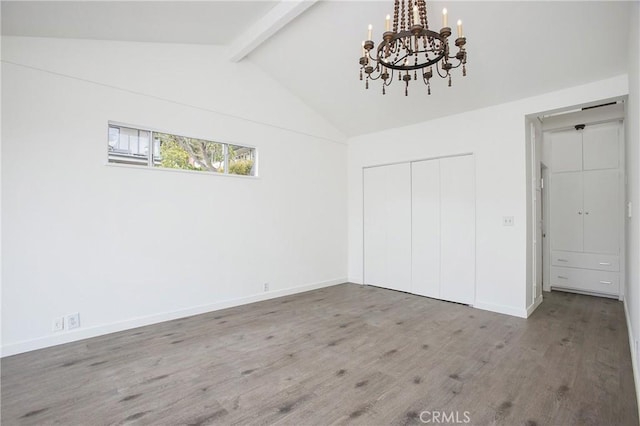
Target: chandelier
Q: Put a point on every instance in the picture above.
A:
(411, 47)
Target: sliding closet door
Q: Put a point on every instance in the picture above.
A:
(457, 229)
(387, 226)
(425, 213)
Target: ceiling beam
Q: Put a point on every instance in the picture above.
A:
(281, 14)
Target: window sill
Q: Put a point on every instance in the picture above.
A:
(190, 172)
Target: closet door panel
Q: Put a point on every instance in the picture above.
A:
(425, 217)
(601, 211)
(375, 226)
(399, 227)
(566, 151)
(457, 229)
(601, 147)
(566, 212)
(387, 226)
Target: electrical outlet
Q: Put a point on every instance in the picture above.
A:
(266, 286)
(507, 221)
(58, 324)
(73, 321)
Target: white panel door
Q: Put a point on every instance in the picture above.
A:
(375, 226)
(600, 146)
(425, 264)
(566, 151)
(566, 211)
(457, 229)
(399, 227)
(601, 211)
(387, 226)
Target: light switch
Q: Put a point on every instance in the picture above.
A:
(507, 221)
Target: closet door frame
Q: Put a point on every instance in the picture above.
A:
(622, 176)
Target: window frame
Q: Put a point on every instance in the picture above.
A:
(150, 166)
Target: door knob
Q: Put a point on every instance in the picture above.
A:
(579, 212)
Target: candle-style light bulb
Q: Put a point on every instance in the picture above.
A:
(459, 28)
(416, 16)
(445, 21)
(387, 23)
(370, 31)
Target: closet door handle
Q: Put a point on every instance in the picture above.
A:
(586, 212)
(605, 263)
(579, 212)
(605, 282)
(563, 277)
(562, 260)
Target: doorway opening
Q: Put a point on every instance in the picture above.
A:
(575, 201)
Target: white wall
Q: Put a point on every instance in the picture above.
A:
(0, 182)
(496, 135)
(632, 297)
(126, 246)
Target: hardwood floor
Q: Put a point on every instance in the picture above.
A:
(341, 355)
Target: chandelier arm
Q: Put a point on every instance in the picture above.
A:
(438, 70)
(388, 81)
(375, 78)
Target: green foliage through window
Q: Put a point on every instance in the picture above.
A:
(180, 152)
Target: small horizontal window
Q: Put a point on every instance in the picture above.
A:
(128, 145)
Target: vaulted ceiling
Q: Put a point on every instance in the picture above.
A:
(515, 49)
(201, 22)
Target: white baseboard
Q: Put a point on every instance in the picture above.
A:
(501, 309)
(634, 355)
(356, 280)
(85, 333)
(534, 306)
